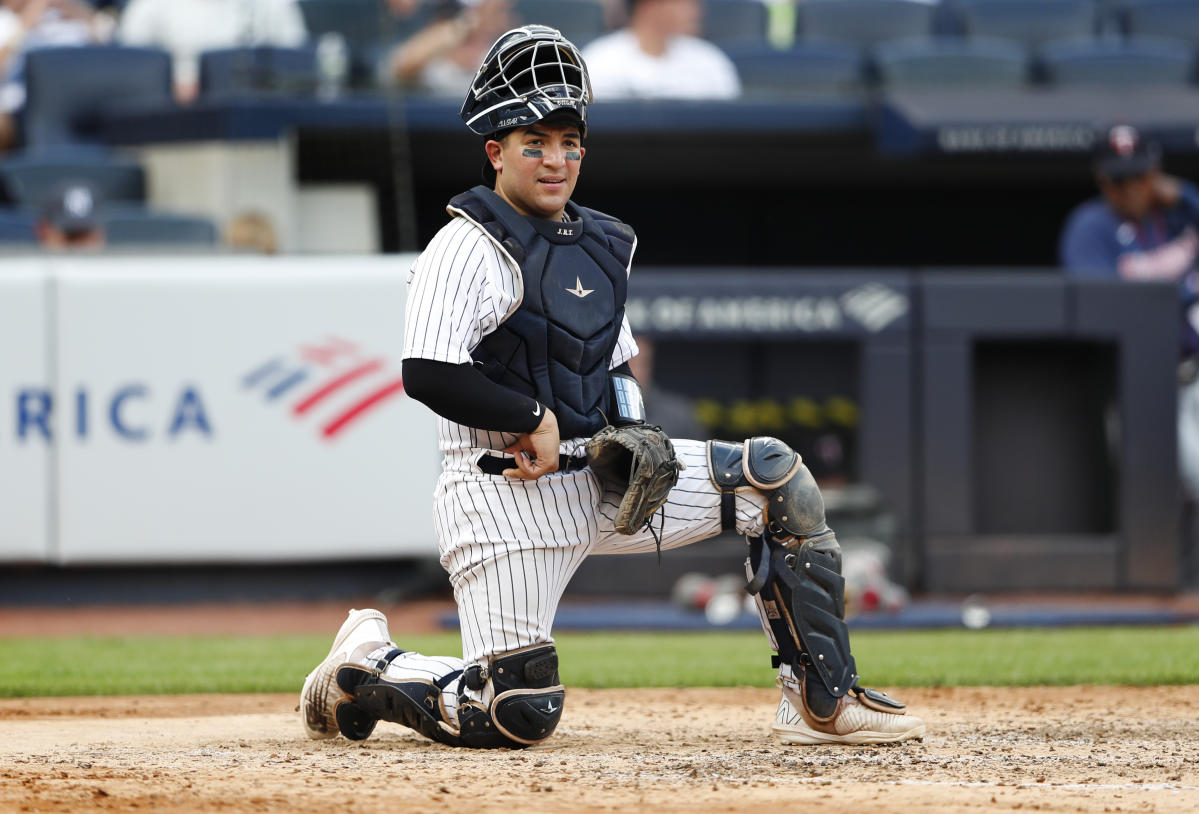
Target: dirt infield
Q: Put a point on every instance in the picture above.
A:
(1058, 749)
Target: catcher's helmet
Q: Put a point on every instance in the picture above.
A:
(529, 73)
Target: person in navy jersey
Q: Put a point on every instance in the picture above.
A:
(1145, 226)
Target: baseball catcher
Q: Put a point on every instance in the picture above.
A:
(516, 337)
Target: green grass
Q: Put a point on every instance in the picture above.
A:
(154, 664)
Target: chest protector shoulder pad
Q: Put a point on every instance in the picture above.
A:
(556, 346)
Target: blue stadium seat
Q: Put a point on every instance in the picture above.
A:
(366, 26)
(17, 228)
(976, 62)
(580, 21)
(864, 22)
(126, 226)
(30, 178)
(1142, 61)
(1178, 19)
(1032, 22)
(362, 23)
(805, 70)
(729, 22)
(256, 71)
(70, 89)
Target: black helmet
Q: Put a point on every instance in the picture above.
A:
(528, 74)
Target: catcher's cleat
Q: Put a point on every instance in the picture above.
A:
(859, 717)
(325, 708)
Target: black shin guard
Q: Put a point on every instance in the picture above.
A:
(795, 565)
(803, 600)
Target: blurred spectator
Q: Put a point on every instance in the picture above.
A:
(1145, 226)
(252, 232)
(68, 219)
(441, 58)
(673, 412)
(658, 55)
(187, 28)
(29, 24)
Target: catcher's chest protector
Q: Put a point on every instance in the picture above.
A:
(557, 345)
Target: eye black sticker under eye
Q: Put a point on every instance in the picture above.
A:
(531, 153)
(574, 156)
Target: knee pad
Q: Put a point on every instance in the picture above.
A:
(794, 507)
(526, 700)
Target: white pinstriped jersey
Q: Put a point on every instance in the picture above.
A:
(459, 290)
(510, 546)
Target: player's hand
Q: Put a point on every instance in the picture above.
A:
(1167, 190)
(536, 452)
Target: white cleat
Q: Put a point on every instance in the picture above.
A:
(858, 719)
(321, 697)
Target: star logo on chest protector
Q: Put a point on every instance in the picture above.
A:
(578, 290)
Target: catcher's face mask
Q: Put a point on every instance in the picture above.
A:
(529, 73)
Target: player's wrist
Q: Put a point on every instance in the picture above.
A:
(548, 421)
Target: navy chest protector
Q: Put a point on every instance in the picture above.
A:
(556, 347)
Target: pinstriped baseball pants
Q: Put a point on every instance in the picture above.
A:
(511, 546)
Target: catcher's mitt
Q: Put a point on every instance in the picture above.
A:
(638, 460)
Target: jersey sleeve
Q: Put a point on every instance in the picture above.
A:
(1088, 245)
(626, 345)
(1188, 204)
(450, 303)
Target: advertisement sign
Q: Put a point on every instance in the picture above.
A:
(230, 409)
(25, 465)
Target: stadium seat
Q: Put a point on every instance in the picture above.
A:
(366, 27)
(126, 226)
(864, 22)
(1142, 61)
(729, 22)
(977, 62)
(1032, 22)
(29, 179)
(261, 70)
(807, 69)
(17, 228)
(1178, 19)
(580, 21)
(361, 23)
(70, 89)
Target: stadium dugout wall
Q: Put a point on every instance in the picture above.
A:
(1019, 425)
(190, 410)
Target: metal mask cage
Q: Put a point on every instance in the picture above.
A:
(545, 73)
(535, 68)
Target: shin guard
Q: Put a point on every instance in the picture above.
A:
(795, 565)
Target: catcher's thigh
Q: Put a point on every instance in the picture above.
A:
(510, 547)
(690, 514)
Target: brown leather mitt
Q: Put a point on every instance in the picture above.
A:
(637, 460)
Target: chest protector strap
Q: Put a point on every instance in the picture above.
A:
(557, 345)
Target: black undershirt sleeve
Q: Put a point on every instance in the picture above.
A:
(461, 393)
